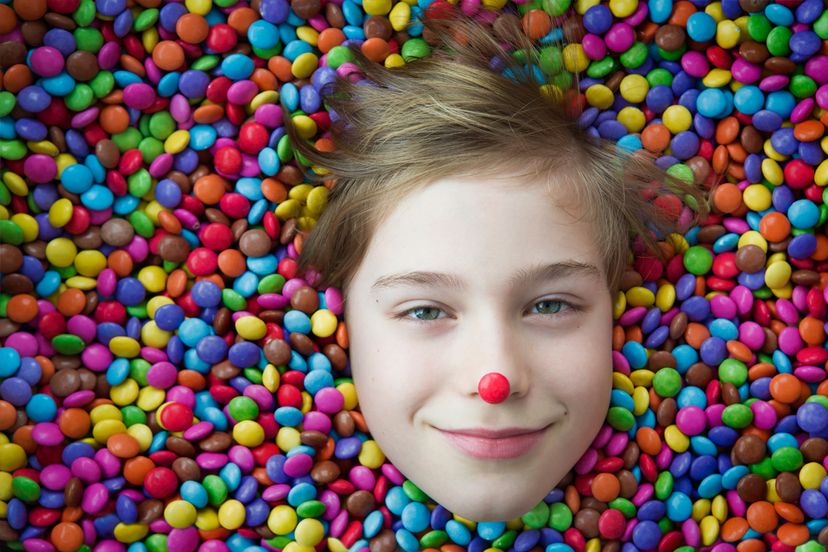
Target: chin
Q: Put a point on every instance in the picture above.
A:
(486, 511)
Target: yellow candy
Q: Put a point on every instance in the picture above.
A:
(287, 438)
(61, 252)
(640, 296)
(772, 171)
(620, 305)
(393, 60)
(180, 514)
(207, 519)
(771, 152)
(593, 545)
(581, 6)
(15, 184)
(348, 391)
(141, 433)
(701, 508)
(622, 382)
(177, 141)
(772, 496)
(304, 65)
(106, 429)
(752, 237)
(821, 174)
(125, 393)
(632, 118)
(231, 514)
(719, 508)
(124, 346)
(12, 457)
(149, 398)
(335, 545)
(757, 197)
(323, 323)
(45, 147)
(376, 7)
(288, 209)
(307, 34)
(201, 7)
(271, 378)
(717, 78)
(623, 8)
(157, 302)
(282, 520)
(641, 400)
(265, 97)
(153, 278)
(675, 439)
(300, 192)
(251, 328)
(677, 118)
(811, 475)
(248, 433)
(371, 456)
(130, 532)
(778, 274)
(633, 88)
(105, 412)
(296, 547)
(600, 96)
(642, 377)
(679, 242)
(149, 39)
(727, 34)
(307, 402)
(28, 224)
(153, 336)
(81, 282)
(6, 492)
(575, 59)
(709, 530)
(665, 297)
(317, 200)
(90, 262)
(399, 17)
(309, 532)
(494, 4)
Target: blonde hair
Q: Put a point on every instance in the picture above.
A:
(451, 115)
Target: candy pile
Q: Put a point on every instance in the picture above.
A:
(167, 382)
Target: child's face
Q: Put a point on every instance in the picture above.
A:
(418, 376)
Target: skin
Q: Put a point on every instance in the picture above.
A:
(419, 349)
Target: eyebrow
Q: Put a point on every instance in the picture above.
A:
(537, 273)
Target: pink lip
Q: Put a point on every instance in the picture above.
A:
(495, 444)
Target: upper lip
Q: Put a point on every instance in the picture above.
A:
(495, 433)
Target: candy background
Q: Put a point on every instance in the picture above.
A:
(168, 383)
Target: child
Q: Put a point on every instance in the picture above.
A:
(479, 238)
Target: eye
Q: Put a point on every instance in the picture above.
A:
(426, 313)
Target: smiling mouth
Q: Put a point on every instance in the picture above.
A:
(495, 448)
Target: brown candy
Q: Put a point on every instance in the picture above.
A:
(377, 26)
(11, 259)
(7, 534)
(149, 510)
(315, 439)
(803, 277)
(678, 325)
(324, 472)
(82, 65)
(173, 248)
(661, 359)
(16, 283)
(753, 6)
(710, 234)
(586, 521)
(11, 53)
(107, 153)
(780, 65)
(670, 37)
(305, 299)
(73, 492)
(289, 230)
(749, 449)
(384, 542)
(65, 382)
(217, 441)
(301, 343)
(277, 351)
(186, 469)
(788, 487)
(730, 394)
(666, 412)
(180, 446)
(750, 258)
(344, 423)
(117, 232)
(336, 355)
(255, 243)
(306, 9)
(223, 321)
(629, 485)
(751, 488)
(814, 449)
(699, 375)
(630, 455)
(360, 504)
(90, 239)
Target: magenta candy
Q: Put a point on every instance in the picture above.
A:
(86, 469)
(691, 420)
(96, 357)
(47, 434)
(162, 375)
(109, 463)
(95, 497)
(298, 465)
(55, 477)
(329, 400)
(362, 478)
(79, 398)
(183, 540)
(46, 61)
(139, 95)
(40, 168)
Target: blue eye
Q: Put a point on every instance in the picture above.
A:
(426, 313)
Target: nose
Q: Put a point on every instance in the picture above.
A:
(500, 354)
(493, 387)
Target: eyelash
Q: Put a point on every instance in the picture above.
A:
(570, 309)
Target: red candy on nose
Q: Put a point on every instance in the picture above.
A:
(493, 387)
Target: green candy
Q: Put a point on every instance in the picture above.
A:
(272, 283)
(142, 224)
(7, 102)
(5, 194)
(602, 67)
(68, 344)
(810, 546)
(139, 183)
(698, 260)
(664, 485)
(620, 418)
(127, 139)
(311, 509)
(537, 517)
(138, 369)
(80, 98)
(161, 125)
(434, 539)
(66, 271)
(216, 489)
(666, 525)
(266, 53)
(802, 86)
(138, 311)
(413, 492)
(12, 150)
(25, 489)
(88, 39)
(667, 382)
(550, 60)
(560, 516)
(671, 55)
(623, 505)
(733, 371)
(658, 77)
(821, 25)
(102, 84)
(338, 55)
(4, 304)
(145, 20)
(778, 41)
(635, 56)
(243, 408)
(786, 459)
(737, 416)
(764, 468)
(682, 172)
(505, 540)
(820, 399)
(758, 27)
(233, 300)
(279, 542)
(763, 292)
(10, 232)
(253, 375)
(284, 149)
(225, 3)
(133, 415)
(85, 14)
(156, 543)
(415, 48)
(556, 8)
(205, 63)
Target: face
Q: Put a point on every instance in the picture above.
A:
(467, 277)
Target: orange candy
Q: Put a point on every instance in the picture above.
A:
(71, 302)
(67, 536)
(231, 262)
(655, 138)
(537, 24)
(605, 487)
(376, 49)
(812, 330)
(734, 529)
(809, 131)
(793, 534)
(210, 188)
(136, 469)
(648, 440)
(123, 445)
(74, 423)
(192, 28)
(727, 198)
(168, 55)
(8, 19)
(329, 38)
(774, 227)
(785, 388)
(8, 415)
(114, 119)
(22, 308)
(762, 517)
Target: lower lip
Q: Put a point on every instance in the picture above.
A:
(495, 449)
